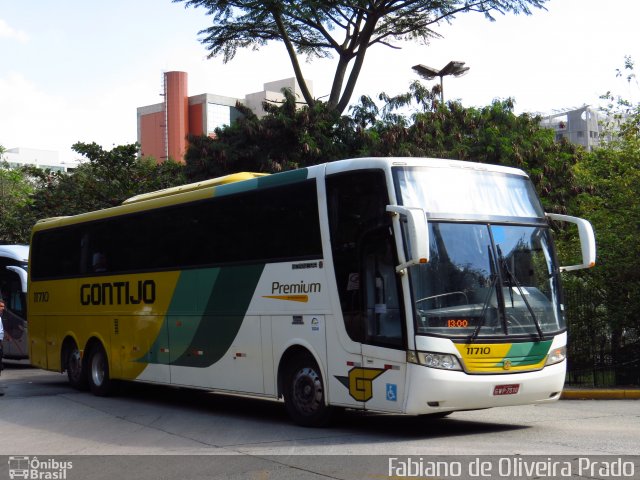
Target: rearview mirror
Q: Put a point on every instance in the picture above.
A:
(587, 240)
(417, 235)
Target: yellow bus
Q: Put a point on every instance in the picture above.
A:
(404, 285)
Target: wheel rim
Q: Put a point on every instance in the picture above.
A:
(97, 368)
(74, 365)
(307, 391)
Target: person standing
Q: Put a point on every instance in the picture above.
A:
(1, 337)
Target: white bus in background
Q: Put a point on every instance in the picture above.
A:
(13, 290)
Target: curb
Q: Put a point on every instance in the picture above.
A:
(600, 394)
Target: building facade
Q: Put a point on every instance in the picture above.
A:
(272, 93)
(45, 159)
(580, 126)
(163, 128)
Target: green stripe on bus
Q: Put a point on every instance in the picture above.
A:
(237, 187)
(223, 315)
(528, 353)
(284, 178)
(199, 334)
(184, 317)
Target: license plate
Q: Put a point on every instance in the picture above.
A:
(506, 389)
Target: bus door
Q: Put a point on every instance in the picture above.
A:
(13, 287)
(364, 259)
(383, 351)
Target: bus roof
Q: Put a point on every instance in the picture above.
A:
(378, 162)
(242, 181)
(225, 185)
(15, 252)
(235, 177)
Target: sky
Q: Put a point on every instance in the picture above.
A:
(77, 70)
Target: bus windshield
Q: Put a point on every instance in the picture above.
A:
(487, 280)
(492, 271)
(464, 193)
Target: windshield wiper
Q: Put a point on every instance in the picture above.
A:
(485, 305)
(514, 281)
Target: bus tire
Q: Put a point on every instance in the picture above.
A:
(98, 371)
(76, 372)
(304, 393)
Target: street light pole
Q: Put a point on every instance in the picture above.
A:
(455, 68)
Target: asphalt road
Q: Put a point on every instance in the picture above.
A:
(41, 415)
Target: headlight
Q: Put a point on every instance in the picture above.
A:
(556, 355)
(444, 361)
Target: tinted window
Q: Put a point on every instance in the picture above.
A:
(56, 252)
(267, 225)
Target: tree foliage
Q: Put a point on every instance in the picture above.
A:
(610, 202)
(15, 198)
(622, 115)
(286, 138)
(493, 134)
(613, 208)
(290, 138)
(106, 179)
(346, 30)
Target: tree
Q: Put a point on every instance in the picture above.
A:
(613, 208)
(316, 28)
(286, 138)
(622, 116)
(492, 134)
(611, 204)
(15, 196)
(107, 179)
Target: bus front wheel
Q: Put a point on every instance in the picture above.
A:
(98, 371)
(304, 393)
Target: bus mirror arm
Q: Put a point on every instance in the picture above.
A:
(587, 240)
(417, 233)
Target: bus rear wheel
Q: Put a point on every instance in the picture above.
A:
(98, 371)
(304, 393)
(76, 373)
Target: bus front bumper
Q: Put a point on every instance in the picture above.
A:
(432, 390)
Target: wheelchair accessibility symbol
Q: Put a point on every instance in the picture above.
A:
(392, 392)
